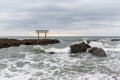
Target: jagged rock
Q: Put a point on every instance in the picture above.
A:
(97, 52)
(79, 48)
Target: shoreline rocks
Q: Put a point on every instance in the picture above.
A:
(76, 48)
(5, 43)
(83, 47)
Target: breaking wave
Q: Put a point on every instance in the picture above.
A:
(53, 49)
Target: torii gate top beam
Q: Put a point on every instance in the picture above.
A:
(42, 31)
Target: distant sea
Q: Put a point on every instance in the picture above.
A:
(31, 63)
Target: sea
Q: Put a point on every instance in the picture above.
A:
(34, 62)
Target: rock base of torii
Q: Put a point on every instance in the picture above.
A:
(5, 43)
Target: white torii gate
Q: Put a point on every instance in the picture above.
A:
(42, 31)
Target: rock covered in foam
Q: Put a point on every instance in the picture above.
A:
(79, 48)
(97, 52)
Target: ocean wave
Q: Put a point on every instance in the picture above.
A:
(22, 63)
(53, 49)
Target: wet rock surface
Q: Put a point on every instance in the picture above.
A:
(82, 47)
(115, 40)
(5, 43)
(92, 49)
(97, 52)
(79, 48)
(51, 52)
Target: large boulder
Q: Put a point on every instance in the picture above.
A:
(97, 52)
(79, 48)
(92, 49)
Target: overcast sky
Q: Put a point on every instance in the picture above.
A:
(61, 17)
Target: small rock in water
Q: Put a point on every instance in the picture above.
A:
(52, 53)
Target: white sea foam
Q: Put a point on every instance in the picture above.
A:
(60, 66)
(53, 49)
(96, 44)
(57, 50)
(105, 46)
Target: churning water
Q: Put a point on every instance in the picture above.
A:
(31, 63)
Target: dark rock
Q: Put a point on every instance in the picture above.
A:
(40, 41)
(115, 40)
(79, 48)
(5, 43)
(52, 53)
(97, 52)
(92, 49)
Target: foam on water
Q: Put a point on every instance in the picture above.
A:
(37, 65)
(60, 67)
(105, 46)
(96, 44)
(53, 49)
(64, 50)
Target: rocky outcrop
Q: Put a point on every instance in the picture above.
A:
(5, 43)
(82, 47)
(79, 48)
(39, 42)
(97, 52)
(115, 40)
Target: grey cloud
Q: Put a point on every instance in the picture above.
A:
(59, 14)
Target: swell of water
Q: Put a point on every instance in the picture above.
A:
(32, 63)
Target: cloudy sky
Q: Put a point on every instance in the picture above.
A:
(61, 17)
